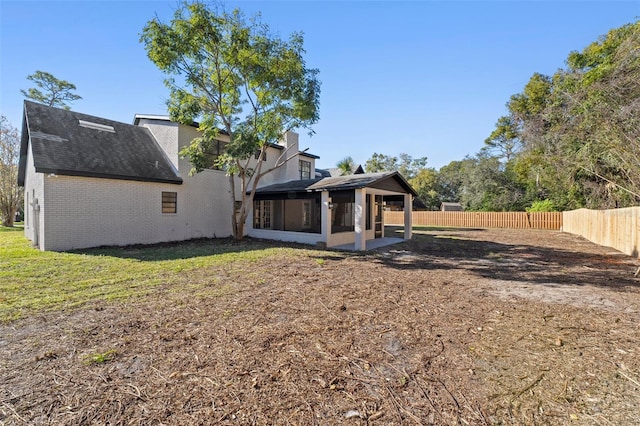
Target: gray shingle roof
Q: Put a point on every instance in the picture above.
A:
(340, 183)
(291, 186)
(75, 144)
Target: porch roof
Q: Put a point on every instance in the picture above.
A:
(386, 180)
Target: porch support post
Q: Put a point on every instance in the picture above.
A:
(325, 217)
(408, 207)
(360, 220)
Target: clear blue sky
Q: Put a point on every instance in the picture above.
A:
(425, 78)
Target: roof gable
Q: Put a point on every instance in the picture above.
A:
(75, 144)
(392, 181)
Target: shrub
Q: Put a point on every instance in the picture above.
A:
(542, 206)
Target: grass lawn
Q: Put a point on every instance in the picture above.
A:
(456, 326)
(32, 281)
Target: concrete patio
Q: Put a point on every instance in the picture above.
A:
(371, 244)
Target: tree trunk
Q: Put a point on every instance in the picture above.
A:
(234, 221)
(240, 229)
(247, 204)
(240, 221)
(8, 216)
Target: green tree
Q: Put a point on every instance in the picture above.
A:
(578, 131)
(406, 165)
(380, 163)
(233, 75)
(346, 166)
(483, 183)
(600, 91)
(51, 91)
(450, 180)
(10, 192)
(504, 139)
(410, 167)
(426, 185)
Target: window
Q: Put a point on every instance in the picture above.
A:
(257, 155)
(305, 170)
(169, 202)
(306, 214)
(291, 215)
(215, 150)
(262, 214)
(343, 212)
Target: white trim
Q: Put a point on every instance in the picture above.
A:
(151, 117)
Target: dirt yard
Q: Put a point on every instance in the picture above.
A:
(467, 327)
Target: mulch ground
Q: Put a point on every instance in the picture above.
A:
(456, 326)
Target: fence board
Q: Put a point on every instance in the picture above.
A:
(518, 220)
(617, 228)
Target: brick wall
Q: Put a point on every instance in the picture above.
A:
(88, 212)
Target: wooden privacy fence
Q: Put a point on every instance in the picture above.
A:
(618, 228)
(519, 220)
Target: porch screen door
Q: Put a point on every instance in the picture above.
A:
(378, 218)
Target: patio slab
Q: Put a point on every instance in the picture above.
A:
(371, 244)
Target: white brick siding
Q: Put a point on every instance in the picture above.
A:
(88, 212)
(34, 187)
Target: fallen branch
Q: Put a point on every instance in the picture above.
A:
(635, 382)
(529, 387)
(400, 409)
(424, 392)
(15, 413)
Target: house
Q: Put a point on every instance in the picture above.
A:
(337, 211)
(451, 207)
(91, 182)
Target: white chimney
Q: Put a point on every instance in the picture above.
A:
(291, 142)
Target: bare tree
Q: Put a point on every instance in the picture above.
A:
(10, 193)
